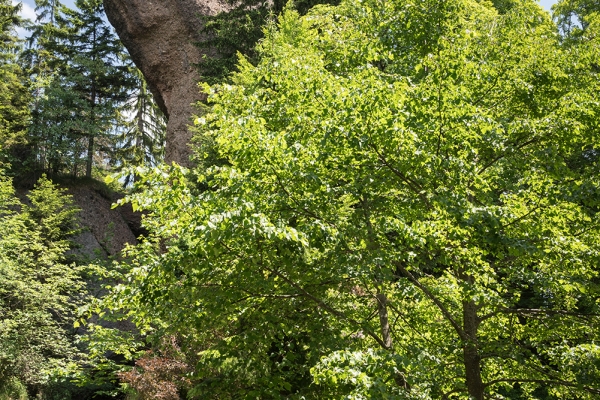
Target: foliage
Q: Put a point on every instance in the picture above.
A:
(159, 376)
(408, 208)
(9, 19)
(14, 97)
(82, 78)
(39, 289)
(237, 31)
(13, 390)
(142, 141)
(575, 17)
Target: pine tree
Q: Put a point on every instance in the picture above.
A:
(142, 140)
(48, 10)
(14, 99)
(83, 79)
(44, 59)
(98, 76)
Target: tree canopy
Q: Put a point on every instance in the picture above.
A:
(404, 204)
(391, 200)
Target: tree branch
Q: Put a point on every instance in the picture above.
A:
(537, 311)
(325, 306)
(435, 300)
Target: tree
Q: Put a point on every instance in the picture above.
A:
(99, 77)
(407, 207)
(40, 289)
(574, 17)
(84, 78)
(14, 99)
(236, 31)
(142, 140)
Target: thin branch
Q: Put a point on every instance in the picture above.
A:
(414, 186)
(522, 217)
(325, 306)
(501, 156)
(445, 396)
(537, 311)
(435, 300)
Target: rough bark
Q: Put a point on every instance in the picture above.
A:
(160, 35)
(472, 359)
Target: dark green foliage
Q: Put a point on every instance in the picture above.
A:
(14, 96)
(81, 78)
(238, 31)
(142, 138)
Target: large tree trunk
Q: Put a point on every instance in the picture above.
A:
(160, 36)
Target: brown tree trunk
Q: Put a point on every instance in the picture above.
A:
(472, 358)
(90, 156)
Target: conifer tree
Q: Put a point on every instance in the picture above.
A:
(48, 10)
(142, 140)
(14, 112)
(45, 58)
(39, 289)
(97, 74)
(83, 79)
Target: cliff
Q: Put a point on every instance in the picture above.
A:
(160, 35)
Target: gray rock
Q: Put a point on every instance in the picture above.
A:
(160, 36)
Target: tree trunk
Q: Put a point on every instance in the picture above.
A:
(90, 156)
(90, 150)
(472, 359)
(383, 320)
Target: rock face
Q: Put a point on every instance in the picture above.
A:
(160, 36)
(106, 231)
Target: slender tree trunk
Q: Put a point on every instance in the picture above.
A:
(472, 359)
(90, 150)
(383, 320)
(92, 134)
(90, 156)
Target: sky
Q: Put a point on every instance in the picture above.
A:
(28, 10)
(547, 3)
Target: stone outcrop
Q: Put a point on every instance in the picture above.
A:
(106, 230)
(160, 36)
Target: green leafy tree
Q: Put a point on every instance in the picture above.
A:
(237, 31)
(574, 17)
(406, 208)
(40, 289)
